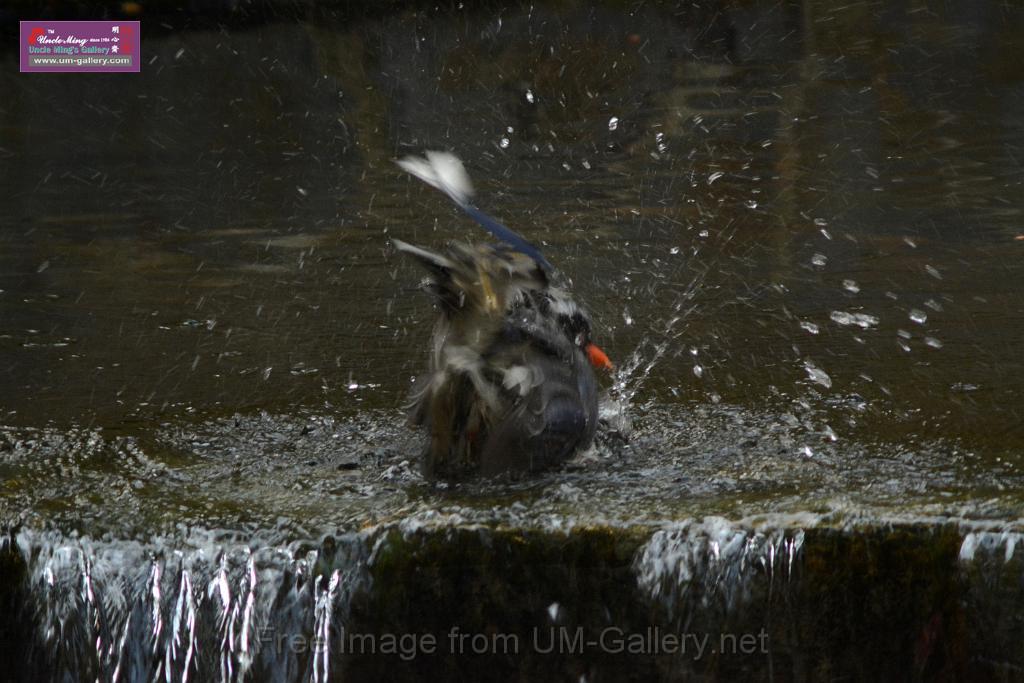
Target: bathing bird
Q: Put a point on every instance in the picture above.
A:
(510, 385)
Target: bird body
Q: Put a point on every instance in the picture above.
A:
(510, 385)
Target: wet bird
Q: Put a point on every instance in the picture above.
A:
(510, 385)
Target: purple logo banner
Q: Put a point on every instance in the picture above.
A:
(62, 46)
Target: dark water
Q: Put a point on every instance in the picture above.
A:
(212, 235)
(807, 211)
(798, 227)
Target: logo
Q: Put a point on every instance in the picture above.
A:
(87, 46)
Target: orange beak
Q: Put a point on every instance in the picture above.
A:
(598, 358)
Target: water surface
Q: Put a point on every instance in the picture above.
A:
(761, 192)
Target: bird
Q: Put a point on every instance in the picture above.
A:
(510, 385)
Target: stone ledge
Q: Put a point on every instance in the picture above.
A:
(711, 600)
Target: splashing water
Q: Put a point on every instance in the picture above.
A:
(664, 340)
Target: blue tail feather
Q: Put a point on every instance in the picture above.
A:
(444, 171)
(506, 235)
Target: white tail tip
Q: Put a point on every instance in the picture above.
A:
(442, 170)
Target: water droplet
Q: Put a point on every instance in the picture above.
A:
(750, 204)
(862, 320)
(819, 259)
(904, 334)
(698, 371)
(810, 327)
(303, 191)
(934, 305)
(627, 317)
(851, 286)
(674, 250)
(529, 97)
(918, 316)
(817, 375)
(933, 342)
(266, 373)
(703, 233)
(613, 123)
(934, 272)
(504, 143)
(715, 176)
